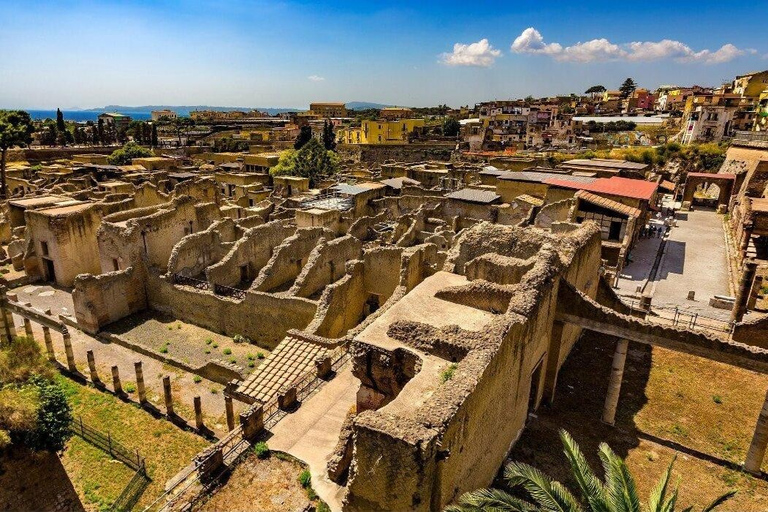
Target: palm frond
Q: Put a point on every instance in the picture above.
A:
(491, 500)
(658, 494)
(541, 488)
(620, 486)
(719, 501)
(591, 487)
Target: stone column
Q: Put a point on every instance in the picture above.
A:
(68, 349)
(92, 367)
(198, 412)
(742, 294)
(9, 325)
(168, 396)
(116, 380)
(614, 386)
(49, 344)
(757, 448)
(28, 329)
(230, 412)
(252, 421)
(140, 382)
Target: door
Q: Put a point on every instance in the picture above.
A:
(50, 272)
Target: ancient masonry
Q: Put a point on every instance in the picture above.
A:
(452, 310)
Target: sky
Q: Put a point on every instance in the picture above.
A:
(251, 53)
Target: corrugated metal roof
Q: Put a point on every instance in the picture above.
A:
(397, 183)
(353, 190)
(542, 177)
(474, 195)
(604, 163)
(608, 203)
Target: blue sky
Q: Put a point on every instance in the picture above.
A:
(286, 54)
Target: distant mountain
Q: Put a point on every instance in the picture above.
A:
(362, 105)
(184, 110)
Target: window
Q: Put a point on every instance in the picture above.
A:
(44, 248)
(115, 264)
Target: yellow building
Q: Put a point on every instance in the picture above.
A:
(761, 117)
(324, 110)
(751, 85)
(381, 131)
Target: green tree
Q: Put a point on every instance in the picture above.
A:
(617, 494)
(182, 125)
(154, 140)
(60, 125)
(101, 132)
(312, 161)
(329, 138)
(451, 127)
(124, 155)
(304, 136)
(54, 417)
(627, 88)
(595, 90)
(15, 130)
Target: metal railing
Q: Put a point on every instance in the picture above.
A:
(676, 317)
(227, 291)
(190, 281)
(138, 483)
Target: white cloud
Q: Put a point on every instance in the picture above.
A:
(316, 78)
(602, 50)
(480, 54)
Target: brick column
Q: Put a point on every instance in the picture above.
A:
(140, 382)
(68, 349)
(230, 412)
(742, 294)
(168, 396)
(92, 367)
(49, 343)
(759, 442)
(252, 421)
(614, 386)
(28, 329)
(198, 412)
(116, 381)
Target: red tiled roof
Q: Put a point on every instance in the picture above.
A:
(613, 186)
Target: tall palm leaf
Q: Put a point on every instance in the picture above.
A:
(657, 498)
(549, 494)
(592, 489)
(620, 486)
(491, 500)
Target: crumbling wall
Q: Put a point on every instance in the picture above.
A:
(558, 211)
(382, 270)
(103, 299)
(342, 305)
(289, 258)
(326, 264)
(254, 249)
(195, 252)
(261, 317)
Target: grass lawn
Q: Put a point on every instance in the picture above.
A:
(666, 397)
(98, 480)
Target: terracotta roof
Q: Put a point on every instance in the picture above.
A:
(608, 203)
(613, 186)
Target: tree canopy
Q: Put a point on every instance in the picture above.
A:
(627, 88)
(329, 137)
(15, 130)
(124, 155)
(451, 127)
(304, 136)
(595, 89)
(33, 408)
(312, 161)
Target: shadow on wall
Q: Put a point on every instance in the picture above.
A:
(581, 388)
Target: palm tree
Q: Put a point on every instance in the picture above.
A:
(617, 494)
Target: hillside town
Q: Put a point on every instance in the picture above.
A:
(381, 309)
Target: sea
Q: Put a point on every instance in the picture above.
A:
(82, 115)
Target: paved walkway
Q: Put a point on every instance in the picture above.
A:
(695, 259)
(312, 432)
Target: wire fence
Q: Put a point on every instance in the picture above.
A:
(133, 459)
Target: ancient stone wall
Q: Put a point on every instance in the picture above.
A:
(102, 299)
(196, 252)
(262, 317)
(289, 258)
(379, 153)
(342, 304)
(326, 264)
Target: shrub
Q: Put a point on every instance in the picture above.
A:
(215, 345)
(717, 399)
(251, 364)
(238, 338)
(214, 391)
(130, 388)
(197, 379)
(164, 349)
(250, 357)
(261, 450)
(305, 478)
(208, 341)
(447, 374)
(124, 155)
(260, 355)
(227, 351)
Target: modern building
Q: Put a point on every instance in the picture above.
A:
(163, 114)
(328, 109)
(120, 121)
